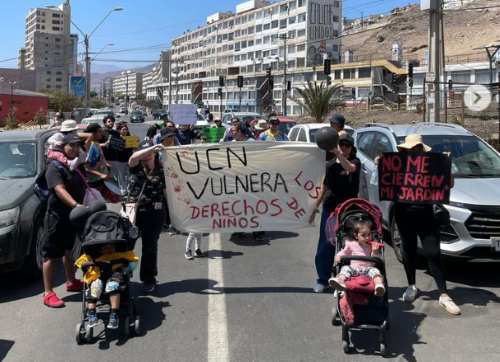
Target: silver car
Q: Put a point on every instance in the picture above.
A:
(474, 200)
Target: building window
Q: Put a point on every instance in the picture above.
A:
(292, 20)
(301, 33)
(363, 92)
(338, 74)
(283, 24)
(267, 26)
(301, 62)
(267, 39)
(483, 76)
(56, 15)
(292, 49)
(302, 3)
(274, 24)
(349, 73)
(301, 47)
(56, 28)
(292, 33)
(364, 73)
(460, 77)
(336, 4)
(302, 17)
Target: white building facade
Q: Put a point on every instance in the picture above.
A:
(129, 83)
(47, 46)
(292, 36)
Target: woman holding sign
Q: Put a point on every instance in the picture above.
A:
(419, 220)
(147, 188)
(122, 172)
(340, 184)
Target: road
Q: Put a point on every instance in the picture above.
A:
(249, 301)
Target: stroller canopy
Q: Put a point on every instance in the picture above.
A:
(362, 206)
(105, 227)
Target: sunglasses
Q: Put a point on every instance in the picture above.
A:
(274, 123)
(345, 144)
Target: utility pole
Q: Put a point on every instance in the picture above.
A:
(87, 75)
(176, 81)
(434, 69)
(169, 79)
(284, 87)
(362, 20)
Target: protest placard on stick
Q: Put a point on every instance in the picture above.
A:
(116, 143)
(422, 178)
(183, 113)
(213, 134)
(243, 186)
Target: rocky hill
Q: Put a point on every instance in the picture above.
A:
(464, 31)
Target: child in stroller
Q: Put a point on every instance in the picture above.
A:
(361, 301)
(361, 246)
(104, 277)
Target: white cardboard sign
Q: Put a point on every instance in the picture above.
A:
(183, 113)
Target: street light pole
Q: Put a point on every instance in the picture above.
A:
(12, 93)
(87, 59)
(284, 90)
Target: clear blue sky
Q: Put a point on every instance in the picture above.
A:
(142, 23)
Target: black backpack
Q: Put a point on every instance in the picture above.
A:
(41, 189)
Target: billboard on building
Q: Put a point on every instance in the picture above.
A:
(77, 86)
(323, 35)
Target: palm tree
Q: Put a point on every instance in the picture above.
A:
(319, 100)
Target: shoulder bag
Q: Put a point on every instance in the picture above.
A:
(129, 209)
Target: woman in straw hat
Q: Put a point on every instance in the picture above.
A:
(418, 220)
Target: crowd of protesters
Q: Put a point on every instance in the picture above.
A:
(90, 157)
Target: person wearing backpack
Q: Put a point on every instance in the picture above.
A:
(67, 191)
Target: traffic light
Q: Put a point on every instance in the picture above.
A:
(394, 78)
(328, 80)
(269, 72)
(289, 85)
(327, 67)
(240, 81)
(221, 81)
(450, 84)
(410, 70)
(410, 83)
(128, 98)
(271, 82)
(220, 92)
(353, 93)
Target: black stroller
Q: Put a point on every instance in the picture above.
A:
(106, 227)
(365, 310)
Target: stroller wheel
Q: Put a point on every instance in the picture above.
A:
(345, 346)
(78, 334)
(137, 325)
(89, 333)
(335, 319)
(127, 326)
(383, 351)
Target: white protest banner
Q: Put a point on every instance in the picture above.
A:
(183, 113)
(243, 186)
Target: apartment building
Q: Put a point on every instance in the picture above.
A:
(159, 75)
(128, 83)
(292, 36)
(73, 53)
(47, 46)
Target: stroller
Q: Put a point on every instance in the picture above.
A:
(358, 307)
(105, 227)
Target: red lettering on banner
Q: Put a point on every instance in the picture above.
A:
(421, 163)
(234, 206)
(246, 207)
(392, 163)
(262, 202)
(225, 208)
(294, 204)
(195, 212)
(215, 209)
(275, 203)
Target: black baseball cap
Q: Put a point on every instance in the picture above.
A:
(338, 119)
(166, 132)
(346, 137)
(71, 138)
(145, 144)
(93, 127)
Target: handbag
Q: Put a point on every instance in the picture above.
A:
(129, 209)
(91, 194)
(441, 214)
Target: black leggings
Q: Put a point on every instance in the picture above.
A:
(421, 223)
(150, 223)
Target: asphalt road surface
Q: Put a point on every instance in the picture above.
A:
(252, 301)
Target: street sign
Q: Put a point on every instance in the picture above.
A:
(77, 86)
(430, 77)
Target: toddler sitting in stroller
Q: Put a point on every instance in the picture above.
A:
(361, 246)
(111, 281)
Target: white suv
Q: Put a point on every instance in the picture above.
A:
(474, 201)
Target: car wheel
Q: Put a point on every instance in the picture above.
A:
(33, 263)
(397, 244)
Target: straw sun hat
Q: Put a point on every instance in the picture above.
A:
(413, 140)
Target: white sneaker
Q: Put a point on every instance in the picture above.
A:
(411, 294)
(320, 288)
(380, 290)
(448, 304)
(337, 283)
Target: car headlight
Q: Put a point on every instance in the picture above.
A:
(9, 217)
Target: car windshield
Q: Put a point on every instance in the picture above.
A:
(248, 117)
(99, 121)
(471, 157)
(200, 117)
(18, 160)
(137, 113)
(285, 127)
(312, 134)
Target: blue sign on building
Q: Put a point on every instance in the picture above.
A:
(77, 86)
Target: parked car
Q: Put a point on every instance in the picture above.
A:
(285, 124)
(159, 114)
(242, 116)
(474, 200)
(306, 132)
(122, 110)
(21, 213)
(137, 116)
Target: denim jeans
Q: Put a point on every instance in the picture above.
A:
(325, 253)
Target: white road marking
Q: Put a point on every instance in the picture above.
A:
(218, 345)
